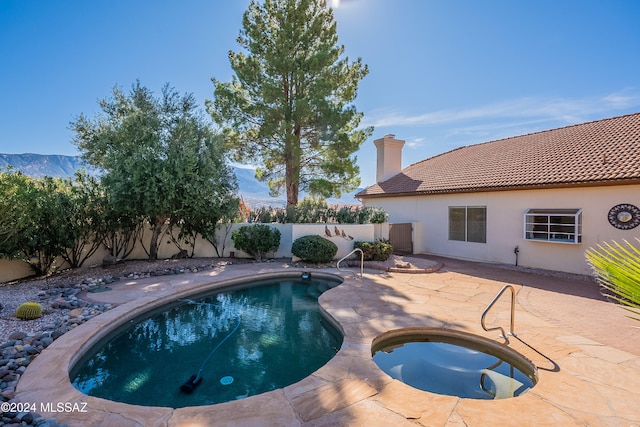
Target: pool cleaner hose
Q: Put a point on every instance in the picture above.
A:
(196, 379)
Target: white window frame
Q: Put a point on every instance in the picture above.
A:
(553, 225)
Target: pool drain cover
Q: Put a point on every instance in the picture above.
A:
(226, 380)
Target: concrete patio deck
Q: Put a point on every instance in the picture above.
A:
(587, 352)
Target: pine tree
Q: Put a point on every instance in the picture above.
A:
(288, 109)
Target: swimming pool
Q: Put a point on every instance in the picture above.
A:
(257, 337)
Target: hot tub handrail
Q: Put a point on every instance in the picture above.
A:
(513, 308)
(361, 262)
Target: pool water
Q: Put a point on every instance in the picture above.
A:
(282, 337)
(453, 369)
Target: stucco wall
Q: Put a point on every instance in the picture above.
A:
(505, 224)
(12, 270)
(364, 232)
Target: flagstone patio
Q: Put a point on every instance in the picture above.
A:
(586, 350)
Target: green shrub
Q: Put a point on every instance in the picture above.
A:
(311, 210)
(256, 240)
(314, 249)
(370, 215)
(375, 251)
(262, 215)
(29, 311)
(347, 215)
(316, 211)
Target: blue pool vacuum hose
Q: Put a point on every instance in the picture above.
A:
(196, 379)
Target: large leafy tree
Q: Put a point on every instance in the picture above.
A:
(162, 163)
(32, 227)
(85, 223)
(11, 210)
(288, 109)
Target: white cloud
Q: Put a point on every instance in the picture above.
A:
(625, 98)
(415, 142)
(533, 109)
(436, 132)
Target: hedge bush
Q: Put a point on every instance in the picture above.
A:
(315, 212)
(375, 251)
(314, 248)
(256, 240)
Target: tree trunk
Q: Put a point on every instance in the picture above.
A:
(153, 245)
(292, 163)
(292, 193)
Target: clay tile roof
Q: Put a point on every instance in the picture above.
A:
(595, 153)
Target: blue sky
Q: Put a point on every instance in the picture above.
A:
(443, 74)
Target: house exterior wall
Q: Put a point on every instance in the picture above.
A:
(505, 224)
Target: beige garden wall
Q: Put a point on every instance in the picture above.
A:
(13, 270)
(505, 224)
(343, 235)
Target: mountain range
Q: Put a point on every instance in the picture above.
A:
(254, 192)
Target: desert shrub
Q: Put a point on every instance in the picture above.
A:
(311, 211)
(347, 215)
(314, 249)
(262, 215)
(256, 240)
(370, 215)
(316, 211)
(34, 214)
(375, 251)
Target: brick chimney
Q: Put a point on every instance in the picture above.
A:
(389, 157)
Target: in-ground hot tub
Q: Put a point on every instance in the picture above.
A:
(456, 363)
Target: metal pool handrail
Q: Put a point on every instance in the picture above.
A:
(513, 307)
(361, 262)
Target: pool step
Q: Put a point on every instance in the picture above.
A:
(316, 289)
(323, 287)
(312, 290)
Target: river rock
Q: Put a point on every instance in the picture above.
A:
(75, 312)
(17, 335)
(110, 260)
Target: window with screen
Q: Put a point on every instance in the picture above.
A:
(553, 225)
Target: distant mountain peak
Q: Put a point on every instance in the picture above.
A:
(254, 192)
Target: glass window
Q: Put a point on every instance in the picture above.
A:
(553, 225)
(477, 224)
(468, 223)
(457, 223)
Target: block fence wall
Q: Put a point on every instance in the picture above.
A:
(343, 235)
